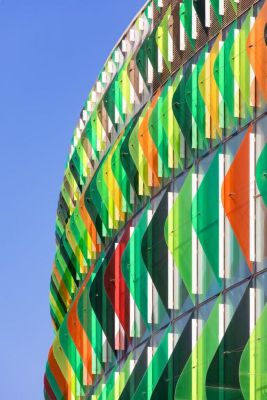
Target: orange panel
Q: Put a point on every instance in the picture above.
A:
(78, 334)
(62, 384)
(235, 196)
(148, 146)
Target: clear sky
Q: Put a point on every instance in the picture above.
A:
(50, 54)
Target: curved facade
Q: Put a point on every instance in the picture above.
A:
(159, 283)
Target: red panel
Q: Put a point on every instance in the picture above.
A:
(48, 389)
(116, 289)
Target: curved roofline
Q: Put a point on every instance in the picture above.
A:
(127, 29)
(106, 62)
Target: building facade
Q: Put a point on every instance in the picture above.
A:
(159, 283)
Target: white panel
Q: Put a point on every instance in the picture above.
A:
(194, 21)
(110, 67)
(160, 3)
(117, 56)
(137, 322)
(228, 233)
(160, 61)
(90, 106)
(116, 321)
(81, 124)
(207, 89)
(221, 220)
(236, 71)
(176, 288)
(132, 94)
(221, 7)
(194, 107)
(251, 73)
(149, 72)
(170, 281)
(93, 96)
(85, 116)
(78, 132)
(71, 151)
(252, 203)
(124, 46)
(149, 216)
(98, 87)
(132, 303)
(141, 84)
(141, 24)
(182, 34)
(194, 241)
(170, 48)
(110, 125)
(150, 12)
(200, 268)
(104, 77)
(149, 299)
(221, 80)
(132, 35)
(207, 13)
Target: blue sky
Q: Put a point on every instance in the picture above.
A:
(51, 53)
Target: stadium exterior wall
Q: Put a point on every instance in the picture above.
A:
(159, 282)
